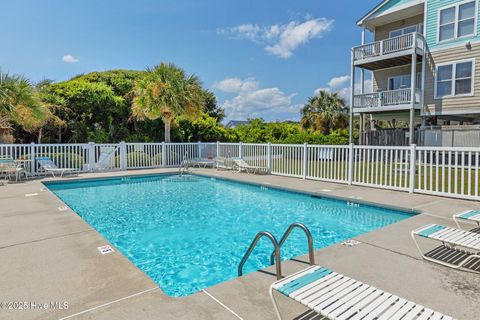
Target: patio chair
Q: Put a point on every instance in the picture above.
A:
(472, 216)
(9, 168)
(459, 249)
(202, 163)
(242, 165)
(335, 296)
(224, 163)
(48, 165)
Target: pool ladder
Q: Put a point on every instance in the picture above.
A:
(275, 256)
(184, 165)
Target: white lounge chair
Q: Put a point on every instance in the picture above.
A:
(460, 248)
(468, 216)
(242, 165)
(48, 165)
(336, 296)
(201, 163)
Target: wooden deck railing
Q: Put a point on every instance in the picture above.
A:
(388, 46)
(386, 98)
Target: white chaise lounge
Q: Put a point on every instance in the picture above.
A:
(50, 167)
(468, 216)
(463, 247)
(336, 296)
(242, 165)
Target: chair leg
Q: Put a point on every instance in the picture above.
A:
(275, 305)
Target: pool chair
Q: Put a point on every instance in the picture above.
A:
(335, 296)
(9, 168)
(202, 163)
(241, 165)
(224, 163)
(460, 249)
(472, 216)
(49, 166)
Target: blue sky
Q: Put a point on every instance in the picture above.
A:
(262, 58)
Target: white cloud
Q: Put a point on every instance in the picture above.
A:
(338, 82)
(281, 40)
(341, 85)
(68, 58)
(253, 101)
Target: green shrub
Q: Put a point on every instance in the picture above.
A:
(62, 160)
(135, 158)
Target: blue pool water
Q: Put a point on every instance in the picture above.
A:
(188, 233)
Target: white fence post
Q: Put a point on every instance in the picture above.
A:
(199, 152)
(164, 155)
(123, 156)
(304, 164)
(350, 163)
(240, 150)
(91, 156)
(218, 152)
(32, 158)
(269, 157)
(413, 155)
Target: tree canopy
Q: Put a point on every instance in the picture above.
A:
(132, 106)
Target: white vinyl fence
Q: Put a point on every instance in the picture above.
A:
(444, 171)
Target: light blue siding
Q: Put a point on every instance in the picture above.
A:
(391, 4)
(433, 7)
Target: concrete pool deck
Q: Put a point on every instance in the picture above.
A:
(49, 255)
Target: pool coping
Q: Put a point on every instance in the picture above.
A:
(216, 291)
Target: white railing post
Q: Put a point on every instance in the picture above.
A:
(199, 153)
(413, 160)
(32, 158)
(304, 165)
(91, 156)
(350, 163)
(240, 150)
(269, 157)
(164, 154)
(123, 156)
(218, 152)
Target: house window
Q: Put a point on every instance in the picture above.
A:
(406, 30)
(457, 21)
(403, 82)
(454, 79)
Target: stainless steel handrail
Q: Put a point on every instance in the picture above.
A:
(276, 252)
(311, 254)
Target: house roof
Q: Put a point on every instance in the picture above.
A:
(371, 12)
(390, 10)
(234, 123)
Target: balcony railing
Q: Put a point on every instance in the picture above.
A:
(386, 98)
(389, 46)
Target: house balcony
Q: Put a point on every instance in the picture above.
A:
(393, 100)
(390, 52)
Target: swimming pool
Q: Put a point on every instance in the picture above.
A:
(188, 233)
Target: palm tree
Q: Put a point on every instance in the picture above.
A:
(167, 92)
(325, 112)
(18, 103)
